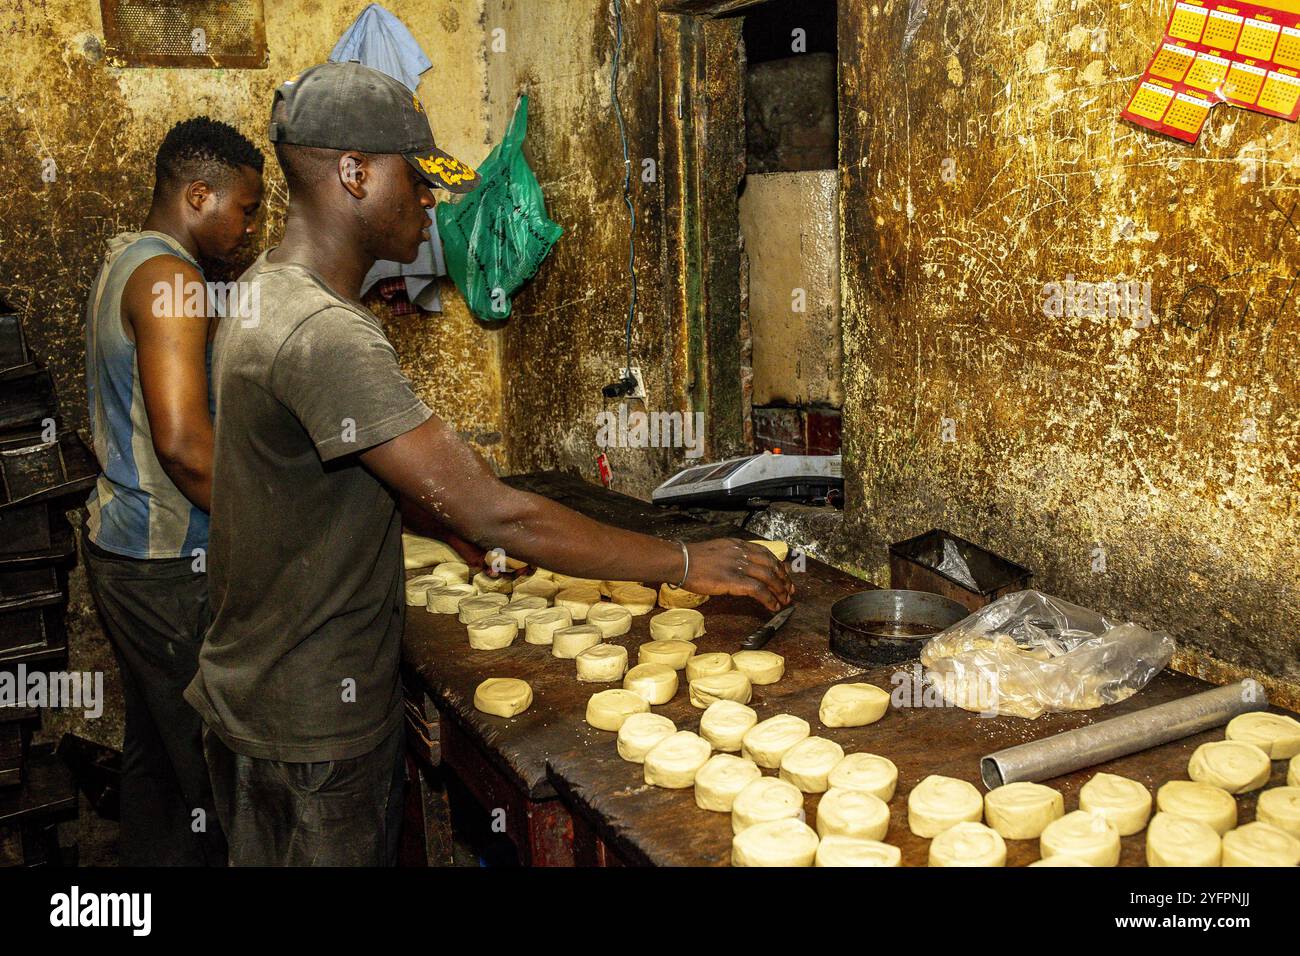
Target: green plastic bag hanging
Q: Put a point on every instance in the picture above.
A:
(494, 238)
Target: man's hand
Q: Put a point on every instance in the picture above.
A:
(732, 566)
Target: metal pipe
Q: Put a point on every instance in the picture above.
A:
(1120, 736)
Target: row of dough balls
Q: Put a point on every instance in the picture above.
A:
(1196, 823)
(852, 815)
(447, 569)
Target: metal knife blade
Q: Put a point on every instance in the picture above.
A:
(764, 633)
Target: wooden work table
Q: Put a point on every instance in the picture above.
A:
(503, 762)
(568, 796)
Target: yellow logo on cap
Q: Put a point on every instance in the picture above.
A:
(416, 100)
(450, 171)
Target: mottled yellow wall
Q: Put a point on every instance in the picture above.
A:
(1171, 449)
(102, 126)
(980, 161)
(566, 336)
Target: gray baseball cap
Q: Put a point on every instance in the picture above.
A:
(350, 106)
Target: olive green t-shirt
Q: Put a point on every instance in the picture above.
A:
(304, 561)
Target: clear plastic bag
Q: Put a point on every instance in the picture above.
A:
(1028, 654)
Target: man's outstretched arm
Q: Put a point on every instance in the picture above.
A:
(432, 467)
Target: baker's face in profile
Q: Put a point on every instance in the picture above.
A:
(402, 200)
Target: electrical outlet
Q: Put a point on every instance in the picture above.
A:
(639, 391)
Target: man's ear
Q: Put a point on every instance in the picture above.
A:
(354, 169)
(198, 194)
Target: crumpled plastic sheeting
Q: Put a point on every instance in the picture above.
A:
(1029, 653)
(917, 11)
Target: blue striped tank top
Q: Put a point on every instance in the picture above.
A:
(135, 509)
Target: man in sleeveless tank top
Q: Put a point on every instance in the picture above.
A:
(149, 328)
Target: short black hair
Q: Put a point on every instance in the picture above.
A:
(202, 148)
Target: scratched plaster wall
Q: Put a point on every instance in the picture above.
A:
(566, 336)
(102, 125)
(1144, 467)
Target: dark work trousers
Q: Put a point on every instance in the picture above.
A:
(330, 813)
(156, 613)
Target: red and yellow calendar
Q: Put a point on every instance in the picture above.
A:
(1241, 54)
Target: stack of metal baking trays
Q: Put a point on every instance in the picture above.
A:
(45, 471)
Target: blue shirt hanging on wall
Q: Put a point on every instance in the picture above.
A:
(379, 40)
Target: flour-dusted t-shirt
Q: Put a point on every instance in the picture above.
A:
(305, 560)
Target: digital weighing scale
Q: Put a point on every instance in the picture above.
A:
(731, 483)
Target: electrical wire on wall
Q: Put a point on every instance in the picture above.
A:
(627, 384)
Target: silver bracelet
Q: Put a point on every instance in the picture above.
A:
(686, 557)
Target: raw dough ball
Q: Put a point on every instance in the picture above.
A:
(607, 709)
(520, 607)
(612, 619)
(577, 600)
(778, 548)
(1124, 802)
(1280, 807)
(868, 773)
(639, 734)
(763, 800)
(778, 843)
(725, 723)
(1181, 841)
(417, 586)
(852, 813)
(968, 844)
(1260, 844)
(1293, 773)
(481, 605)
(707, 665)
(540, 626)
(937, 803)
(1020, 811)
(452, 572)
(852, 705)
(563, 581)
(446, 598)
(606, 588)
(569, 642)
(679, 624)
(535, 586)
(673, 762)
(761, 667)
(671, 597)
(1275, 734)
(1085, 836)
(490, 585)
(601, 663)
(719, 780)
(421, 552)
(730, 685)
(836, 850)
(637, 599)
(1058, 861)
(503, 696)
(1230, 765)
(1199, 801)
(767, 741)
(675, 654)
(657, 683)
(492, 633)
(809, 762)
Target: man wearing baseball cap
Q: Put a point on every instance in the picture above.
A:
(318, 434)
